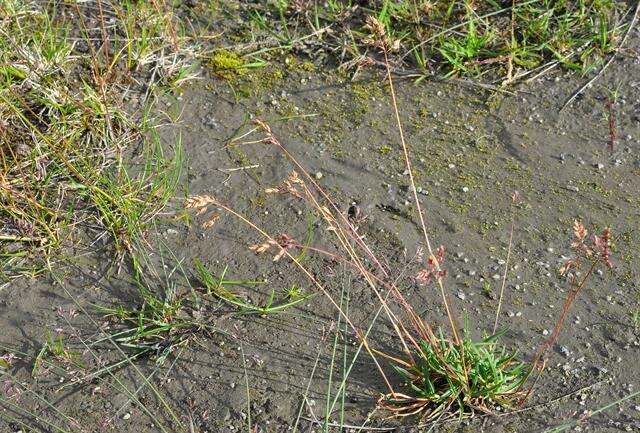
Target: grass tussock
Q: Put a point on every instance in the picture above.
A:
(468, 377)
(66, 169)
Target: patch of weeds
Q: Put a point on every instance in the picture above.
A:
(149, 38)
(219, 288)
(460, 37)
(65, 170)
(168, 315)
(158, 327)
(462, 53)
(294, 293)
(55, 347)
(487, 290)
(128, 200)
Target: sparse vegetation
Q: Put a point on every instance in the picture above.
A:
(87, 90)
(218, 288)
(66, 172)
(442, 374)
(492, 40)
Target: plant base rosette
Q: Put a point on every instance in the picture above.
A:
(464, 378)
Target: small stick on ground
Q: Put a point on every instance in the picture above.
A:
(613, 128)
(16, 238)
(228, 171)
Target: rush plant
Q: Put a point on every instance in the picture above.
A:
(442, 376)
(443, 371)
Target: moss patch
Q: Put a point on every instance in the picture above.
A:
(227, 64)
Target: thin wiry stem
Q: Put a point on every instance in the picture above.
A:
(350, 233)
(407, 160)
(573, 292)
(506, 268)
(316, 283)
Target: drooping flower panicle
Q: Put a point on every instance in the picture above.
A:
(597, 248)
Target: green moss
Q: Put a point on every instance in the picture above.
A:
(264, 80)
(385, 150)
(458, 206)
(363, 92)
(286, 108)
(308, 66)
(339, 154)
(295, 65)
(227, 64)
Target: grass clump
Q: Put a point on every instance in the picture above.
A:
(158, 327)
(218, 287)
(67, 174)
(463, 378)
(170, 315)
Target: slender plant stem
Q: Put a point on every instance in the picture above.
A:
(407, 160)
(506, 268)
(573, 292)
(246, 382)
(316, 283)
